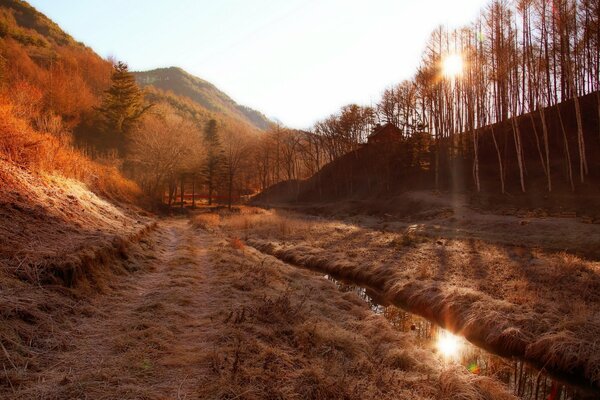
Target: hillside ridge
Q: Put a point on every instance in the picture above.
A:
(182, 83)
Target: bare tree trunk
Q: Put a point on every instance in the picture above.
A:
(194, 192)
(499, 160)
(537, 142)
(172, 190)
(583, 167)
(230, 190)
(546, 148)
(476, 161)
(519, 149)
(598, 101)
(567, 152)
(182, 192)
(437, 162)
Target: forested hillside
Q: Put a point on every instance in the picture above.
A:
(93, 110)
(50, 86)
(507, 104)
(180, 83)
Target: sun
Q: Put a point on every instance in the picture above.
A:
(448, 344)
(452, 65)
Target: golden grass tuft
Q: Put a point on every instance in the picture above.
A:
(236, 243)
(206, 221)
(457, 385)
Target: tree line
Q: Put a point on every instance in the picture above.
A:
(520, 57)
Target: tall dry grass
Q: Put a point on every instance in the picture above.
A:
(278, 224)
(520, 302)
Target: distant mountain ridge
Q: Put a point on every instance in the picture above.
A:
(204, 93)
(23, 23)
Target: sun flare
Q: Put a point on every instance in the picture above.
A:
(448, 344)
(452, 65)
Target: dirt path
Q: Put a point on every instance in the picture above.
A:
(147, 330)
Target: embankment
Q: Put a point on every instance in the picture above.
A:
(59, 244)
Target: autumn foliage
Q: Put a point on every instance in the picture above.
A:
(40, 151)
(49, 84)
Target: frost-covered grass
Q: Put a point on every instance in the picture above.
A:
(515, 300)
(204, 318)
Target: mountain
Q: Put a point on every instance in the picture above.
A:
(207, 95)
(23, 23)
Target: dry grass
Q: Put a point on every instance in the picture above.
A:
(236, 243)
(512, 300)
(52, 221)
(206, 221)
(293, 335)
(213, 322)
(59, 243)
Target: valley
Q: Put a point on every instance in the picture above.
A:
(161, 240)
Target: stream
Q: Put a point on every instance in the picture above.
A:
(522, 379)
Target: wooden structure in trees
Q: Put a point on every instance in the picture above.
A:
(387, 133)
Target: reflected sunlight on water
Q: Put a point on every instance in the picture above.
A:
(522, 379)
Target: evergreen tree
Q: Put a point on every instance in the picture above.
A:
(122, 106)
(212, 170)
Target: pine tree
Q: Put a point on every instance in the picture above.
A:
(122, 106)
(212, 170)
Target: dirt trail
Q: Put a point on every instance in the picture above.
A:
(147, 330)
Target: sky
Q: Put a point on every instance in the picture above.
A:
(297, 61)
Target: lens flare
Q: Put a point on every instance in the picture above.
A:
(452, 65)
(448, 344)
(473, 368)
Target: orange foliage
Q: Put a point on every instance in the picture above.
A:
(43, 152)
(237, 243)
(46, 91)
(70, 79)
(26, 100)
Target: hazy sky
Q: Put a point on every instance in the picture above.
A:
(295, 60)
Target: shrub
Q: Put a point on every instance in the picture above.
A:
(22, 145)
(206, 221)
(237, 243)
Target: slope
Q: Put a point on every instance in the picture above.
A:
(58, 243)
(377, 173)
(22, 22)
(180, 83)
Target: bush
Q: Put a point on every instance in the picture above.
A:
(22, 145)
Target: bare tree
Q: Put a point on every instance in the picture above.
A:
(236, 148)
(165, 145)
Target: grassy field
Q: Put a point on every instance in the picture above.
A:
(514, 300)
(204, 316)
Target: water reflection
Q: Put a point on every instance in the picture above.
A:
(522, 379)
